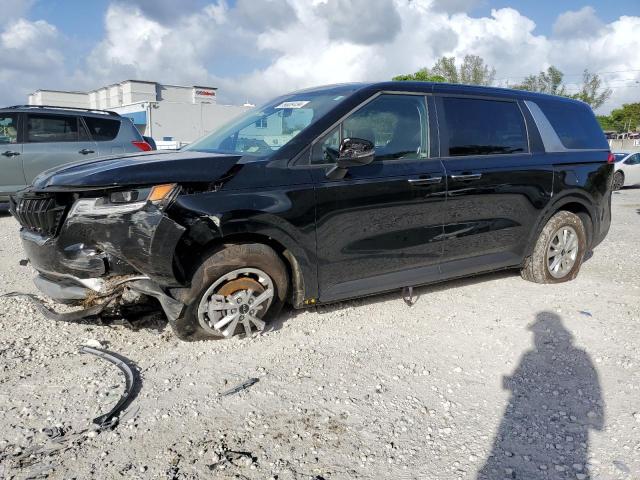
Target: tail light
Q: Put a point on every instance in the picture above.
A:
(611, 158)
(142, 145)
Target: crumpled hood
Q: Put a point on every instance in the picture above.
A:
(139, 169)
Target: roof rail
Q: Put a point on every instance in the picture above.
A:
(91, 110)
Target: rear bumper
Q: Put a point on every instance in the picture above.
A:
(605, 220)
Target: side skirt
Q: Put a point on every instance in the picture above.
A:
(420, 276)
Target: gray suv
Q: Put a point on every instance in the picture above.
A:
(36, 138)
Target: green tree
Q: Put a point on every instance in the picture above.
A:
(550, 81)
(544, 82)
(421, 75)
(472, 71)
(446, 68)
(592, 91)
(606, 123)
(622, 119)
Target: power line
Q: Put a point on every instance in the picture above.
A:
(571, 74)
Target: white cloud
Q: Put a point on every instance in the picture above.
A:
(14, 9)
(259, 48)
(577, 24)
(361, 21)
(30, 51)
(260, 15)
(454, 6)
(164, 11)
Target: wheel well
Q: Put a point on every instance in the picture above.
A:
(581, 211)
(190, 263)
(573, 207)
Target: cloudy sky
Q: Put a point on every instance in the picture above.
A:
(254, 49)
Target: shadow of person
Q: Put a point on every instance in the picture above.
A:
(555, 401)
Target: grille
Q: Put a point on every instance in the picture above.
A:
(40, 214)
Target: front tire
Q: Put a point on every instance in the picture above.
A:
(618, 180)
(558, 252)
(237, 289)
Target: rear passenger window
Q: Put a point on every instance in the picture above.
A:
(52, 128)
(483, 127)
(574, 123)
(102, 129)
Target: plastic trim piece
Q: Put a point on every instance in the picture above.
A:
(110, 419)
(550, 139)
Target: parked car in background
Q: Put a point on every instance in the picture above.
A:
(324, 195)
(627, 170)
(37, 138)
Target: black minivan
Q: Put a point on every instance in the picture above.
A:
(323, 195)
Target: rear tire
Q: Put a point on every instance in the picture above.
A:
(558, 252)
(227, 283)
(618, 180)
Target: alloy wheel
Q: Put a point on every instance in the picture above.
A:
(562, 251)
(239, 298)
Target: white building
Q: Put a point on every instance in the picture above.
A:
(168, 113)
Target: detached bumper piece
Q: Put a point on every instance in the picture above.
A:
(111, 418)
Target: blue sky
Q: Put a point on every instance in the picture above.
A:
(545, 12)
(252, 49)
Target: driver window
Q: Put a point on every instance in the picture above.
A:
(395, 124)
(326, 150)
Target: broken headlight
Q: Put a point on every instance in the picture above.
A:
(124, 201)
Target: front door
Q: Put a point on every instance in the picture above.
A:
(53, 140)
(497, 183)
(379, 227)
(12, 177)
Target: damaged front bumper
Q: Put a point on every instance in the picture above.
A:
(87, 259)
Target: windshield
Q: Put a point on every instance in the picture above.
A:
(620, 156)
(262, 131)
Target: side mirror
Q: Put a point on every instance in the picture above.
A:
(352, 153)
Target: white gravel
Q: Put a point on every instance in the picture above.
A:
(452, 387)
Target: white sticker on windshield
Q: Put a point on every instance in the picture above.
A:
(298, 104)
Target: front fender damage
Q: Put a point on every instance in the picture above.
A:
(145, 240)
(121, 260)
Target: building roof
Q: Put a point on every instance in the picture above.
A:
(76, 92)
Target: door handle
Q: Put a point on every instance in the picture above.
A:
(86, 151)
(10, 153)
(468, 176)
(424, 181)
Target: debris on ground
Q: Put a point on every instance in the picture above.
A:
(243, 386)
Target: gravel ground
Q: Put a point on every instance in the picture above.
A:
(490, 377)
